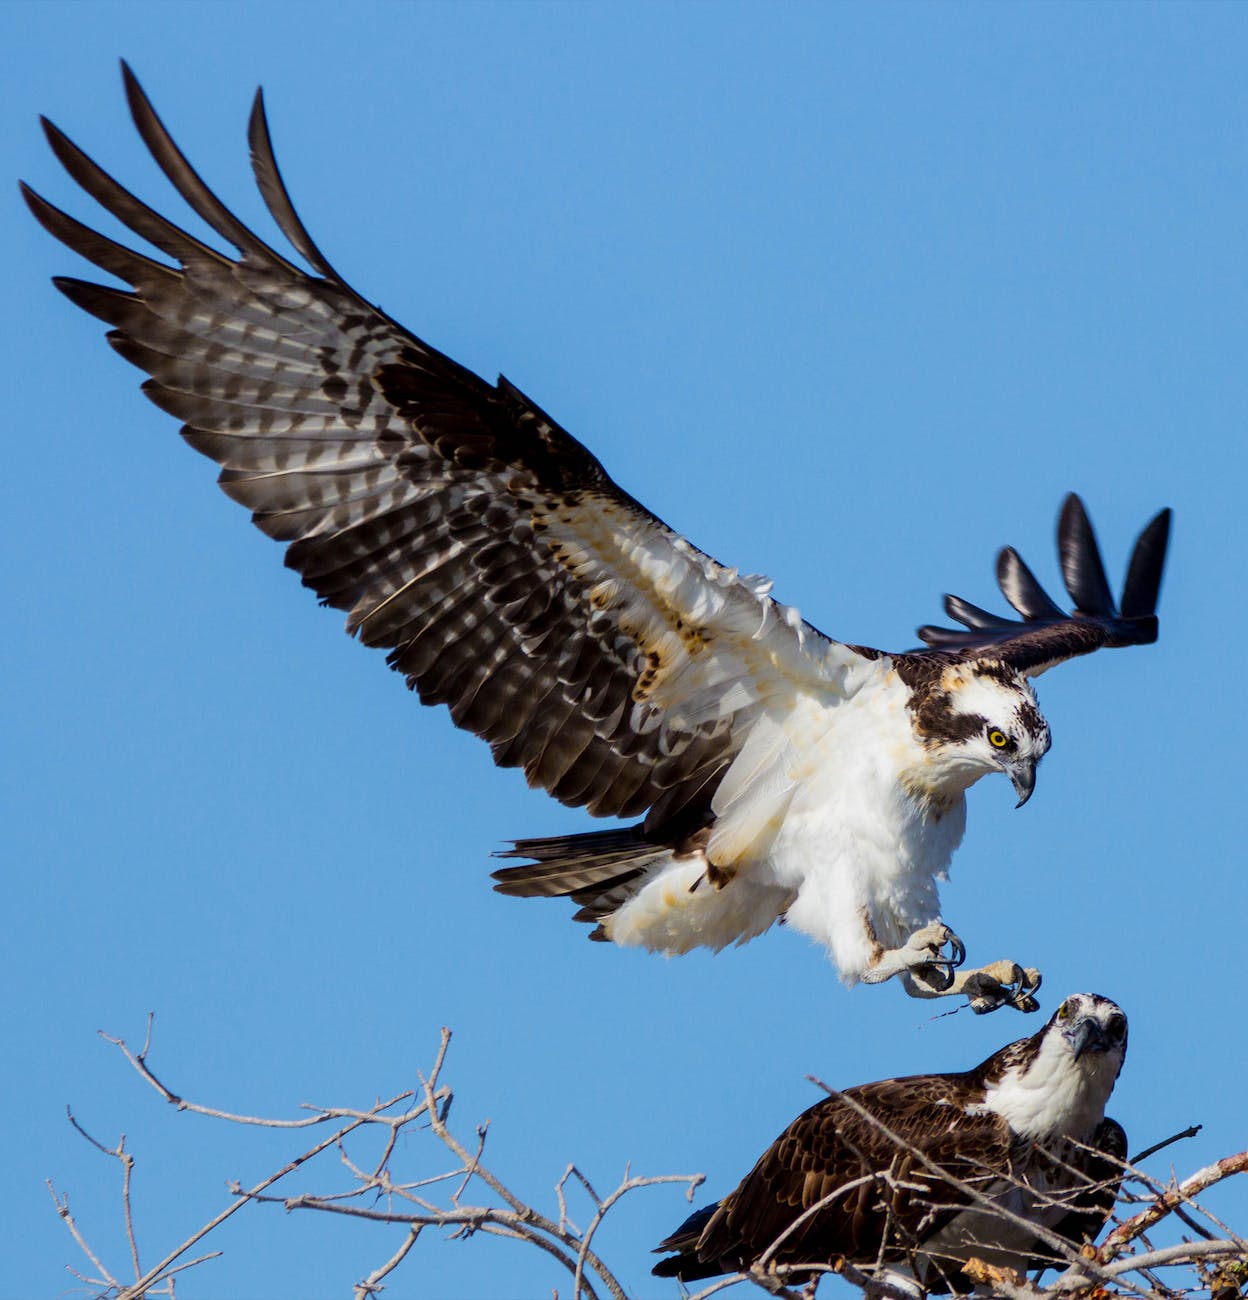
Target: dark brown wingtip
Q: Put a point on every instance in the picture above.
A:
(1096, 620)
(1144, 572)
(80, 167)
(1020, 587)
(274, 192)
(258, 137)
(972, 616)
(136, 96)
(66, 151)
(95, 299)
(57, 223)
(188, 182)
(1080, 556)
(34, 201)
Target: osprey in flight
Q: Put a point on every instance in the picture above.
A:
(780, 773)
(1013, 1163)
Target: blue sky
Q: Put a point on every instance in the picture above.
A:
(851, 296)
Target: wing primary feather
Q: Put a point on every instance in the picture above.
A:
(1148, 560)
(274, 192)
(1019, 586)
(186, 180)
(101, 302)
(1044, 635)
(462, 528)
(133, 212)
(941, 638)
(1080, 556)
(972, 616)
(106, 253)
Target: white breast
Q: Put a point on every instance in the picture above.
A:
(813, 822)
(855, 844)
(1055, 1095)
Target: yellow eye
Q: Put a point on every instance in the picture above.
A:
(998, 739)
(1063, 1012)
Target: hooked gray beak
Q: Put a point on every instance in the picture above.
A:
(1023, 774)
(1086, 1035)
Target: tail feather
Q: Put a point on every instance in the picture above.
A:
(593, 869)
(685, 1264)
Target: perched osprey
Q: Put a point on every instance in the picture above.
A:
(910, 1178)
(781, 773)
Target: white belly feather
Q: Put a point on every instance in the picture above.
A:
(814, 823)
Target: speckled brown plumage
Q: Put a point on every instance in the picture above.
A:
(440, 512)
(892, 1203)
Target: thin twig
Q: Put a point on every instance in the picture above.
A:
(62, 1208)
(628, 1185)
(1189, 1132)
(190, 1263)
(323, 1115)
(371, 1284)
(154, 1274)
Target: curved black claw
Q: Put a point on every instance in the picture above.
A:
(986, 992)
(937, 973)
(957, 955)
(1023, 999)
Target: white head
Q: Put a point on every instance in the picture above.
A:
(1057, 1082)
(981, 717)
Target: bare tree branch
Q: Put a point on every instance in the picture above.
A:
(1215, 1264)
(512, 1218)
(1166, 1202)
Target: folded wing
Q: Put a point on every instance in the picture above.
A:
(820, 1190)
(1098, 1170)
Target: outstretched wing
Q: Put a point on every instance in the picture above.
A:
(457, 524)
(832, 1153)
(1046, 634)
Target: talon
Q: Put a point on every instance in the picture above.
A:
(985, 1001)
(957, 953)
(926, 962)
(936, 974)
(1028, 982)
(930, 978)
(1003, 984)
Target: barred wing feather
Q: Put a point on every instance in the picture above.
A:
(456, 523)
